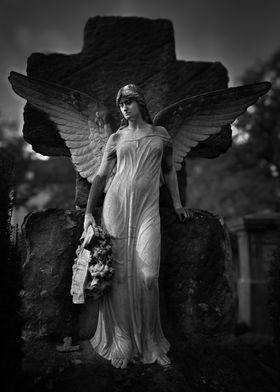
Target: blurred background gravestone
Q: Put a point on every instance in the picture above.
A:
(257, 239)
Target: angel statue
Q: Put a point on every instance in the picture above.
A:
(130, 163)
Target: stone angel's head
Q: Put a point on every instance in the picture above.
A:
(133, 93)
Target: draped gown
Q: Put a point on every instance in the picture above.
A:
(129, 320)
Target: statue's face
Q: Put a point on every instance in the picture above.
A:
(129, 108)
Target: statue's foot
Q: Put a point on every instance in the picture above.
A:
(119, 362)
(163, 360)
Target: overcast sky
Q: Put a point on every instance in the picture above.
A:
(236, 32)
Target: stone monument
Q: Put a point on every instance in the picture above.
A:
(197, 277)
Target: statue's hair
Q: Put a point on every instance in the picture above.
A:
(131, 91)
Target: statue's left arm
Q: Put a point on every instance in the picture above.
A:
(171, 181)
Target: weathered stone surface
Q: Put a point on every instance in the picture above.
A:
(198, 274)
(197, 283)
(118, 51)
(51, 240)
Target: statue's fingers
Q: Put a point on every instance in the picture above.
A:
(86, 226)
(189, 214)
(95, 230)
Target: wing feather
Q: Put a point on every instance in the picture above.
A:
(84, 123)
(84, 150)
(85, 165)
(186, 141)
(195, 119)
(199, 129)
(73, 144)
(78, 130)
(196, 136)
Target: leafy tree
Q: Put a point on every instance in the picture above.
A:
(36, 182)
(247, 178)
(261, 123)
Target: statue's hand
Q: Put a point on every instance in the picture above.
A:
(183, 213)
(89, 221)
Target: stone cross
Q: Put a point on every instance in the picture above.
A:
(117, 51)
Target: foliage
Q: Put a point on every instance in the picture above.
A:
(50, 183)
(222, 187)
(246, 178)
(262, 122)
(37, 183)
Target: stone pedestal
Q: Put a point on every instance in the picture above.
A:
(258, 236)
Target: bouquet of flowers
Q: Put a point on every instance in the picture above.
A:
(100, 271)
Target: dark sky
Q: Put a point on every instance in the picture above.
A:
(237, 33)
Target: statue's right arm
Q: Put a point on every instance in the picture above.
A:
(99, 181)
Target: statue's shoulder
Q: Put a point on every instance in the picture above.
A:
(115, 137)
(161, 131)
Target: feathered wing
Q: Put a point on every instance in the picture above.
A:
(84, 123)
(195, 119)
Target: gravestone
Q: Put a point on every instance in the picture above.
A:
(258, 237)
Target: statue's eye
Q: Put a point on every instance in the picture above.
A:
(125, 103)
